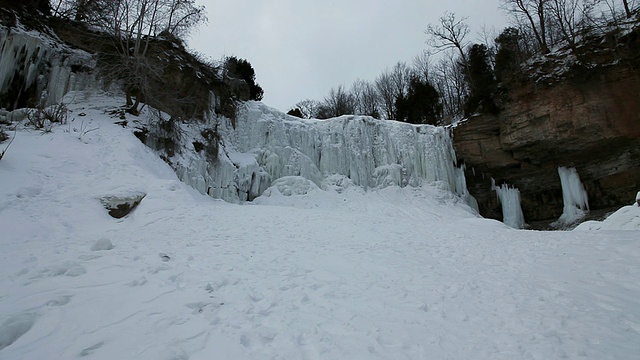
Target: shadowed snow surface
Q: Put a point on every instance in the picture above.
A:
(397, 273)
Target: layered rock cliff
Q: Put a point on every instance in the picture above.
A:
(588, 118)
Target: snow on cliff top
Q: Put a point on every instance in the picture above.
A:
(386, 274)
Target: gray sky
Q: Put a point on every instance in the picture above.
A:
(302, 48)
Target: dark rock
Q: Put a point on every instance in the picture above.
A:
(121, 206)
(589, 123)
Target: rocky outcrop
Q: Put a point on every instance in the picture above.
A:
(590, 122)
(120, 206)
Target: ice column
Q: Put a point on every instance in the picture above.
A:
(574, 195)
(509, 198)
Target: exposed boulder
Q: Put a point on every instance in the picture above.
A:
(120, 206)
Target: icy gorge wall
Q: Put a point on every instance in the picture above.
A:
(590, 122)
(260, 148)
(35, 66)
(267, 145)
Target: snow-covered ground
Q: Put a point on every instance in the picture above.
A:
(396, 273)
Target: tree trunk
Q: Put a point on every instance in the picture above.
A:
(626, 8)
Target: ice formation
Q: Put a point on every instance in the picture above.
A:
(266, 145)
(509, 198)
(29, 59)
(263, 145)
(574, 196)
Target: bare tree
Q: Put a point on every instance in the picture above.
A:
(570, 18)
(627, 10)
(533, 13)
(450, 33)
(629, 7)
(384, 84)
(449, 80)
(338, 102)
(400, 77)
(366, 98)
(134, 24)
(422, 65)
(487, 37)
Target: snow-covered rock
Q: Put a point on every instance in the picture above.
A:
(626, 218)
(102, 244)
(120, 206)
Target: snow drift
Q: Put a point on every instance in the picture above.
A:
(343, 273)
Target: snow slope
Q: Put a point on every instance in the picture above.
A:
(394, 273)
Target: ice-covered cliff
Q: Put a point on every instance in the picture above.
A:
(267, 145)
(262, 146)
(33, 64)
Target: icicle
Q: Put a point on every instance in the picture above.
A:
(38, 60)
(509, 198)
(574, 196)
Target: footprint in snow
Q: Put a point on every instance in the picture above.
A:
(59, 301)
(138, 282)
(68, 268)
(14, 327)
(199, 307)
(91, 349)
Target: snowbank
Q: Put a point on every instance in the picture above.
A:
(343, 273)
(627, 218)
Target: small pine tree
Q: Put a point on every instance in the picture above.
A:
(242, 69)
(508, 56)
(421, 105)
(482, 82)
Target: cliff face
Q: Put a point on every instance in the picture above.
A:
(590, 122)
(43, 58)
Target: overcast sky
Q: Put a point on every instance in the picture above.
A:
(302, 48)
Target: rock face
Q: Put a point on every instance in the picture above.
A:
(36, 67)
(588, 122)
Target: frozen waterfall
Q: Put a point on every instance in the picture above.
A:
(574, 196)
(34, 62)
(266, 145)
(509, 198)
